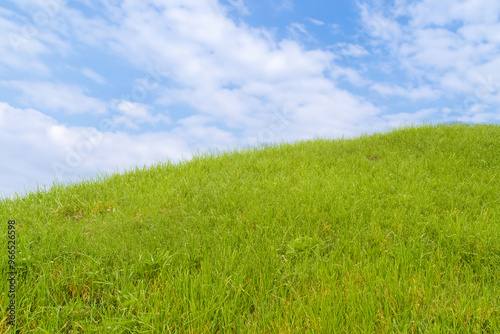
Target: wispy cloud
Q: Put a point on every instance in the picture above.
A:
(316, 22)
(133, 114)
(283, 5)
(412, 93)
(56, 97)
(451, 46)
(239, 6)
(93, 76)
(351, 50)
(299, 32)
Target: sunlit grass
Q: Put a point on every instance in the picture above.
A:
(394, 232)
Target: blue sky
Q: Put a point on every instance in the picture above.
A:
(101, 86)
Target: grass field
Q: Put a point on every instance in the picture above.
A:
(391, 233)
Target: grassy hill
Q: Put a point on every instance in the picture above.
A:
(394, 232)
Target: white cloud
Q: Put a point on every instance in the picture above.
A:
(56, 97)
(351, 50)
(316, 22)
(438, 49)
(379, 25)
(27, 38)
(17, 51)
(131, 114)
(240, 6)
(451, 45)
(298, 31)
(335, 28)
(350, 75)
(232, 107)
(427, 12)
(413, 93)
(96, 77)
(283, 5)
(481, 33)
(419, 116)
(205, 52)
(25, 145)
(41, 149)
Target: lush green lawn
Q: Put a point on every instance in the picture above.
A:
(395, 232)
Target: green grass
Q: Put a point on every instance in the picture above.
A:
(391, 233)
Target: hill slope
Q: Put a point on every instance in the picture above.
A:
(395, 232)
